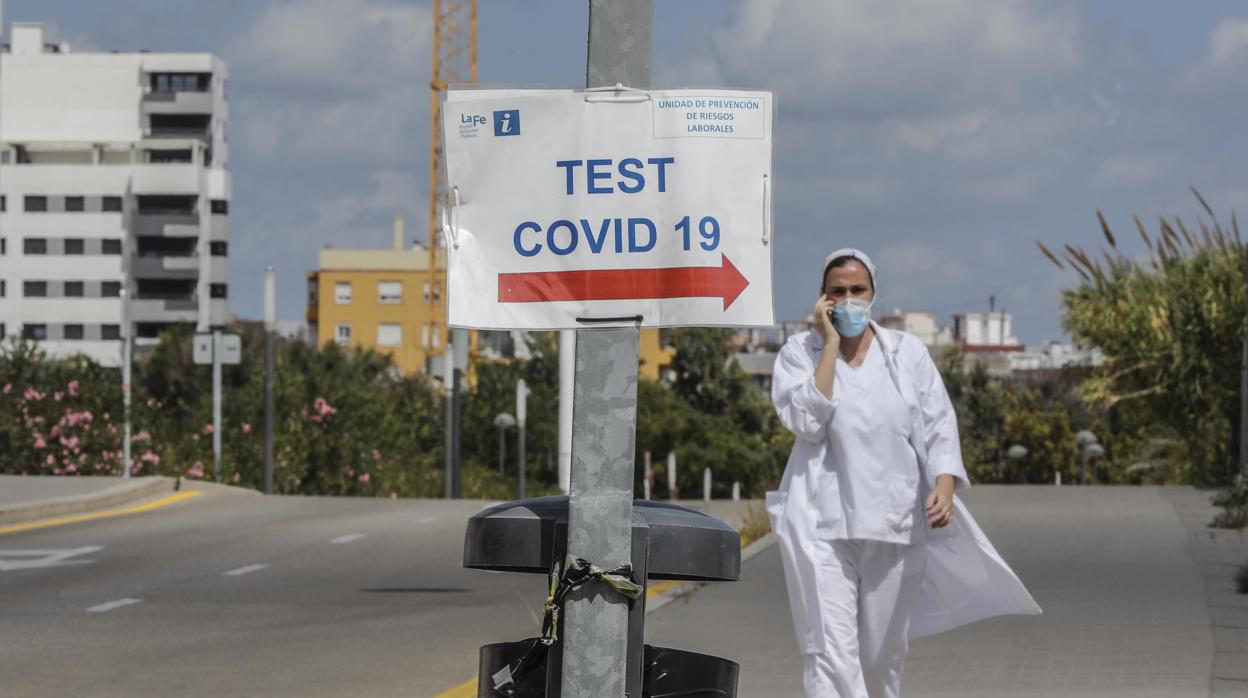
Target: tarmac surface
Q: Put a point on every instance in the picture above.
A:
(232, 593)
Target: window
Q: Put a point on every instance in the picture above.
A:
(73, 289)
(218, 248)
(342, 333)
(390, 292)
(168, 156)
(4, 245)
(110, 246)
(437, 336)
(111, 204)
(342, 292)
(73, 246)
(110, 331)
(218, 290)
(75, 204)
(110, 289)
(30, 331)
(35, 204)
(389, 335)
(180, 82)
(73, 332)
(3, 203)
(35, 246)
(437, 292)
(2, 333)
(220, 206)
(4, 288)
(168, 204)
(35, 289)
(424, 335)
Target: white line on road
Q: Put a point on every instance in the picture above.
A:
(106, 607)
(347, 538)
(248, 569)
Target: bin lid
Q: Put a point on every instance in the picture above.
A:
(685, 544)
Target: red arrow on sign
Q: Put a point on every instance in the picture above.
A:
(723, 281)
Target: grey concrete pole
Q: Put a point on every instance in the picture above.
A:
(604, 416)
(127, 350)
(448, 448)
(270, 326)
(216, 405)
(522, 404)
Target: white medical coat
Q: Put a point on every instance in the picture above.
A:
(965, 580)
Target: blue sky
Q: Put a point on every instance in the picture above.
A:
(942, 138)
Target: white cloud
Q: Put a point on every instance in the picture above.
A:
(348, 45)
(1229, 42)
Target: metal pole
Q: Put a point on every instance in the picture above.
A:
(216, 405)
(502, 449)
(596, 658)
(647, 481)
(460, 360)
(673, 492)
(567, 378)
(522, 403)
(127, 352)
(1243, 405)
(448, 448)
(270, 326)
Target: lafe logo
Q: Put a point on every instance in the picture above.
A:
(507, 122)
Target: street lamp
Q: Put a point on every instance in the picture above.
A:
(1016, 453)
(504, 422)
(1089, 448)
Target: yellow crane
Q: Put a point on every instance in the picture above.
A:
(454, 61)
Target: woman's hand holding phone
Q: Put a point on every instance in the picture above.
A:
(823, 323)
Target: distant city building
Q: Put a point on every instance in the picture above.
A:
(920, 324)
(387, 300)
(991, 331)
(112, 177)
(1054, 355)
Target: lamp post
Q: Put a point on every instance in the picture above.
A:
(1086, 440)
(504, 422)
(522, 401)
(1016, 453)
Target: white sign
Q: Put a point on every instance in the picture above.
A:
(567, 208)
(231, 348)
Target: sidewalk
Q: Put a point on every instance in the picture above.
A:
(1125, 607)
(30, 497)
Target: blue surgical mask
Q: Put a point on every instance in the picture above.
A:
(851, 316)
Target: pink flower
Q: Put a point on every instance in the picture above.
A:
(246, 428)
(58, 395)
(32, 394)
(196, 471)
(39, 442)
(7, 388)
(51, 460)
(349, 471)
(323, 407)
(73, 388)
(71, 468)
(207, 429)
(150, 458)
(376, 454)
(364, 477)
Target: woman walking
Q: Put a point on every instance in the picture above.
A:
(877, 550)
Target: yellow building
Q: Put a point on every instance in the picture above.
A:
(385, 300)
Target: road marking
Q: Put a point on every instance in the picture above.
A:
(246, 569)
(36, 559)
(79, 518)
(106, 607)
(468, 689)
(347, 538)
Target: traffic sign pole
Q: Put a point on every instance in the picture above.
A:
(604, 418)
(216, 405)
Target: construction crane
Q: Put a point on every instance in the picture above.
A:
(454, 61)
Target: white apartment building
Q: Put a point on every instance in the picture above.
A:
(112, 177)
(990, 331)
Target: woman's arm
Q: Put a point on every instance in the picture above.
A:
(944, 448)
(802, 405)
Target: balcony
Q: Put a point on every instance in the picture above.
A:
(177, 102)
(180, 126)
(166, 224)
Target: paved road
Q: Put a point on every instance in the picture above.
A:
(1125, 607)
(243, 596)
(233, 594)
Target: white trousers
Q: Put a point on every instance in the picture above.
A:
(866, 590)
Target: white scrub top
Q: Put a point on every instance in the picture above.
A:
(964, 579)
(868, 486)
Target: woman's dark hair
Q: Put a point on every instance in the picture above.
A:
(840, 262)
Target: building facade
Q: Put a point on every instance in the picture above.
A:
(113, 188)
